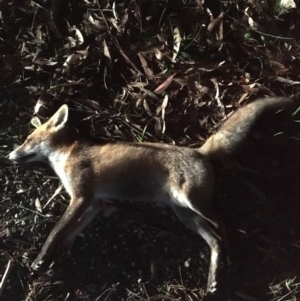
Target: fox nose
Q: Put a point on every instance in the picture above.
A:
(11, 156)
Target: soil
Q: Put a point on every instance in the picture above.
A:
(128, 71)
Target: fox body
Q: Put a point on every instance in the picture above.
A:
(179, 177)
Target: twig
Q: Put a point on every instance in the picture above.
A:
(268, 34)
(134, 295)
(37, 213)
(5, 276)
(57, 191)
(272, 36)
(116, 42)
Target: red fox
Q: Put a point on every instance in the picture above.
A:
(179, 177)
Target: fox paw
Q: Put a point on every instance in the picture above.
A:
(212, 288)
(46, 264)
(38, 265)
(41, 263)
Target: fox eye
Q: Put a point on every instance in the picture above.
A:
(29, 140)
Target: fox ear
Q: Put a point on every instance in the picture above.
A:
(59, 119)
(35, 121)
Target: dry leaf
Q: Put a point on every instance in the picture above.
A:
(177, 40)
(245, 296)
(69, 62)
(162, 87)
(146, 107)
(38, 205)
(243, 97)
(79, 37)
(40, 106)
(215, 22)
(158, 125)
(287, 4)
(108, 210)
(106, 50)
(145, 66)
(163, 107)
(256, 190)
(160, 55)
(287, 81)
(276, 64)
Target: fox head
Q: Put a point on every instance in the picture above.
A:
(40, 144)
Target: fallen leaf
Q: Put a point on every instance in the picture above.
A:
(40, 106)
(79, 37)
(256, 190)
(162, 87)
(145, 66)
(285, 80)
(214, 23)
(177, 40)
(38, 205)
(106, 50)
(245, 296)
(108, 210)
(69, 62)
(146, 107)
(287, 4)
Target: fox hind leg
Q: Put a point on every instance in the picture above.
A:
(203, 227)
(207, 213)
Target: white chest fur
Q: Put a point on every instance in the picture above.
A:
(58, 163)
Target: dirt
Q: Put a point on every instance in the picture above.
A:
(128, 70)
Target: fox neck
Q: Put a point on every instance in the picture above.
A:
(60, 145)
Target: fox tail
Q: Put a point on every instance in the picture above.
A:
(236, 128)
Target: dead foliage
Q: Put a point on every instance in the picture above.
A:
(141, 70)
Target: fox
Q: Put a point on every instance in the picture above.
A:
(179, 177)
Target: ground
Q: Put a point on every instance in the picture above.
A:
(152, 71)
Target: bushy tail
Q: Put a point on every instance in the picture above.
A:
(235, 129)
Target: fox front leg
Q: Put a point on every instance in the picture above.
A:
(66, 242)
(62, 229)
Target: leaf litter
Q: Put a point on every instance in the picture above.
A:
(144, 71)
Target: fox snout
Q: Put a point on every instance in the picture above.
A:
(20, 156)
(29, 151)
(14, 156)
